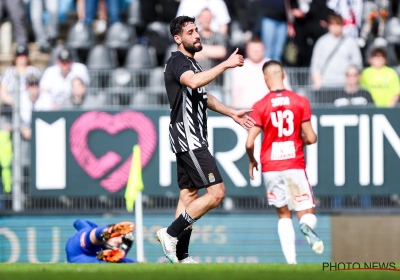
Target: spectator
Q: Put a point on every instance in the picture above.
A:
(333, 54)
(349, 95)
(214, 49)
(248, 85)
(274, 27)
(351, 12)
(79, 99)
(15, 11)
(218, 9)
(21, 65)
(80, 10)
(238, 11)
(243, 21)
(214, 43)
(91, 7)
(309, 24)
(57, 79)
(379, 13)
(150, 12)
(32, 100)
(381, 81)
(44, 35)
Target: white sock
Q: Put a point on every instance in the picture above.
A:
(309, 219)
(288, 239)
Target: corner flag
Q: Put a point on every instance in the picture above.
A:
(135, 182)
(6, 155)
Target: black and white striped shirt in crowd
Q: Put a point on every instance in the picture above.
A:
(188, 126)
(216, 39)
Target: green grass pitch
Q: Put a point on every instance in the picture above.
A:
(205, 271)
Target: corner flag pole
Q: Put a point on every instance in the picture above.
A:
(133, 196)
(139, 227)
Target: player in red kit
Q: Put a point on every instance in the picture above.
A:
(284, 117)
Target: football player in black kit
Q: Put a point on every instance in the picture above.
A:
(185, 83)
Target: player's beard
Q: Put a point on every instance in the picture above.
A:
(192, 48)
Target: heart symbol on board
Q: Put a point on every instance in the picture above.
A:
(97, 167)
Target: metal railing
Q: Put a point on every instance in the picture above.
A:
(123, 87)
(162, 204)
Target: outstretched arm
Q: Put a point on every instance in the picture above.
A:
(238, 116)
(197, 80)
(253, 133)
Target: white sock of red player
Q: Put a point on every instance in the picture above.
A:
(309, 219)
(288, 239)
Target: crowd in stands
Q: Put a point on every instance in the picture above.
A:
(336, 39)
(329, 36)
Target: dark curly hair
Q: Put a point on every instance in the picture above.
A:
(378, 51)
(176, 25)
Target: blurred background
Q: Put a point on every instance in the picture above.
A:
(81, 82)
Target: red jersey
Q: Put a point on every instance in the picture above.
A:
(280, 114)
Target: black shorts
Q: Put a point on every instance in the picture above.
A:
(197, 169)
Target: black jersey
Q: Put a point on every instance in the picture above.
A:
(188, 126)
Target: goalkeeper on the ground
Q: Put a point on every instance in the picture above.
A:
(94, 244)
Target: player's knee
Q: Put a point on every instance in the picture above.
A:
(218, 197)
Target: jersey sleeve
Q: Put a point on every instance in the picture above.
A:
(256, 115)
(180, 65)
(306, 110)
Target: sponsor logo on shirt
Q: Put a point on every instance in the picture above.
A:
(283, 150)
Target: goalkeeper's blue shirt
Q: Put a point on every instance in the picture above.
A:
(79, 249)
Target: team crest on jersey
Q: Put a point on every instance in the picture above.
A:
(82, 240)
(211, 178)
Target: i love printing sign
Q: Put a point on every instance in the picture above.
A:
(88, 153)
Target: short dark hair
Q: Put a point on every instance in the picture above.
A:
(271, 62)
(176, 24)
(335, 19)
(378, 51)
(32, 80)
